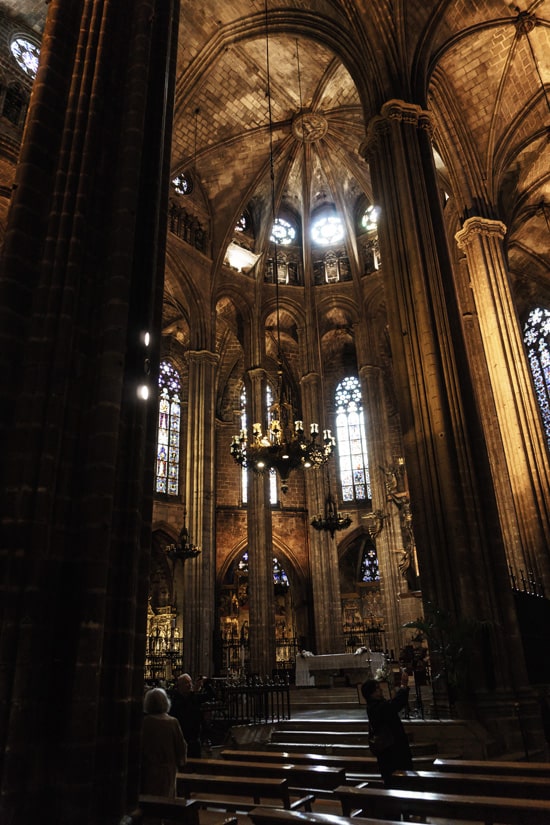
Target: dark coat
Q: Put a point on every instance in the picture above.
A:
(383, 715)
(187, 709)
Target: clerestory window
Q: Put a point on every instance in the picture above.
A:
(351, 441)
(169, 430)
(536, 336)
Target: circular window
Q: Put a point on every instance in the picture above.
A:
(26, 55)
(183, 184)
(369, 220)
(327, 230)
(282, 232)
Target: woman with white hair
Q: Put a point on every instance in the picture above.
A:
(163, 748)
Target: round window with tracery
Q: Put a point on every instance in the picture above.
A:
(282, 232)
(26, 54)
(327, 230)
(182, 184)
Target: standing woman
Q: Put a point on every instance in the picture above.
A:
(391, 745)
(163, 748)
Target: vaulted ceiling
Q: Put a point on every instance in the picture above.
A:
(482, 68)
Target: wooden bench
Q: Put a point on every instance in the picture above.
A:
(504, 768)
(392, 803)
(486, 784)
(237, 793)
(273, 816)
(184, 811)
(317, 779)
(357, 768)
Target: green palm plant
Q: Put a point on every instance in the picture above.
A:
(452, 644)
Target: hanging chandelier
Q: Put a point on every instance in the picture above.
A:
(284, 446)
(183, 548)
(332, 521)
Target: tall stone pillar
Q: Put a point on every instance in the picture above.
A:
(260, 547)
(200, 573)
(388, 539)
(510, 414)
(458, 533)
(81, 282)
(323, 557)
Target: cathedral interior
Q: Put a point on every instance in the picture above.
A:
(308, 234)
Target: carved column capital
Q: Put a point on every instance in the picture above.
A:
(410, 114)
(202, 355)
(475, 226)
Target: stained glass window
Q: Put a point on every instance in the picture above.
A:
(279, 575)
(169, 429)
(327, 230)
(282, 232)
(26, 55)
(536, 336)
(369, 221)
(183, 184)
(369, 571)
(352, 442)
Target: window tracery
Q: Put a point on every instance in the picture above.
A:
(168, 432)
(352, 442)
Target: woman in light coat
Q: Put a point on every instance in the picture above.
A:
(163, 748)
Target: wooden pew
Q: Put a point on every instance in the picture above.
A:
(273, 816)
(392, 803)
(357, 768)
(316, 779)
(184, 811)
(486, 784)
(504, 768)
(237, 793)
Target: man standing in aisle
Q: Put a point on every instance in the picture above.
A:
(187, 701)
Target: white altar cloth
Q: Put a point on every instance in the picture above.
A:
(336, 662)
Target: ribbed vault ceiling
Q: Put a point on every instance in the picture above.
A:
(482, 68)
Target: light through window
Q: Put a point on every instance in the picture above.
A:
(327, 230)
(352, 442)
(26, 55)
(183, 184)
(169, 428)
(536, 335)
(282, 232)
(369, 221)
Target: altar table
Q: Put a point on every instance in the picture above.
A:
(319, 671)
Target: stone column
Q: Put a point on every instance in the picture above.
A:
(458, 534)
(200, 573)
(511, 418)
(323, 558)
(81, 281)
(389, 538)
(260, 546)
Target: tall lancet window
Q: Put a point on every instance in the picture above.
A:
(169, 429)
(536, 335)
(272, 473)
(351, 441)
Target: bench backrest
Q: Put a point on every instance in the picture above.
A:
(489, 809)
(496, 767)
(255, 788)
(536, 787)
(329, 760)
(185, 811)
(310, 776)
(276, 816)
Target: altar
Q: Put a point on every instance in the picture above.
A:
(319, 671)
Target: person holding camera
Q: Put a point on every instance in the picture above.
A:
(387, 736)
